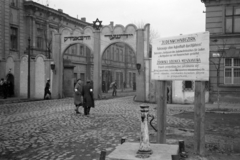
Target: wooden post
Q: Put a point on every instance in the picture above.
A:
(161, 99)
(103, 155)
(199, 118)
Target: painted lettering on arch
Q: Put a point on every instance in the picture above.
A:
(77, 38)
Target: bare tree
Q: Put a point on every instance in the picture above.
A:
(153, 33)
(47, 35)
(217, 61)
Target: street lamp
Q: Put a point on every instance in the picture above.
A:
(29, 67)
(138, 66)
(53, 67)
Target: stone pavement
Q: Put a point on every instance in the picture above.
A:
(50, 129)
(108, 95)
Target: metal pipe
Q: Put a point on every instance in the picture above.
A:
(29, 65)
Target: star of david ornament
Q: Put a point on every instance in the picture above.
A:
(97, 24)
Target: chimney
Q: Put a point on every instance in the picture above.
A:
(60, 10)
(83, 19)
(112, 23)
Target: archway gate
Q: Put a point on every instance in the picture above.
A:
(97, 41)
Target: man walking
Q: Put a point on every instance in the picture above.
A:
(88, 100)
(47, 89)
(1, 87)
(114, 86)
(4, 88)
(78, 89)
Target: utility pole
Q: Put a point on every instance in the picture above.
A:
(29, 68)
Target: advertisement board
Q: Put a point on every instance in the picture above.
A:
(184, 57)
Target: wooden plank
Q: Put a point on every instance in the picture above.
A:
(214, 14)
(214, 25)
(103, 155)
(214, 19)
(199, 118)
(214, 9)
(161, 98)
(214, 30)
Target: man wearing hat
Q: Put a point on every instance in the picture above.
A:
(78, 95)
(47, 89)
(88, 100)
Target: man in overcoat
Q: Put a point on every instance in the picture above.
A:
(114, 86)
(78, 89)
(47, 89)
(88, 100)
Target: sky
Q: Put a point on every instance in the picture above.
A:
(166, 17)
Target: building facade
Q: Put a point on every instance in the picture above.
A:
(30, 28)
(223, 23)
(23, 24)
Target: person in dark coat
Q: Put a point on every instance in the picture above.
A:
(88, 100)
(78, 89)
(47, 89)
(4, 88)
(1, 87)
(114, 86)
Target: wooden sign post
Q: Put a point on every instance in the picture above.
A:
(161, 98)
(199, 118)
(184, 58)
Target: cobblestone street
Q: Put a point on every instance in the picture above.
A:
(51, 130)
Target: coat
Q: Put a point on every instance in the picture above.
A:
(78, 93)
(88, 99)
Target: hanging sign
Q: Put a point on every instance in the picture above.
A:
(184, 57)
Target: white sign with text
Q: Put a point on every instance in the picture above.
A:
(184, 57)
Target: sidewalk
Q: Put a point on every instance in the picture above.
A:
(120, 93)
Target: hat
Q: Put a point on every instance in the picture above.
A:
(88, 81)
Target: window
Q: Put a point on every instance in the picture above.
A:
(13, 3)
(121, 55)
(207, 85)
(82, 76)
(130, 79)
(113, 54)
(39, 35)
(232, 24)
(109, 54)
(14, 38)
(74, 49)
(232, 71)
(117, 54)
(188, 85)
(81, 50)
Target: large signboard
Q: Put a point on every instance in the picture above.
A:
(184, 57)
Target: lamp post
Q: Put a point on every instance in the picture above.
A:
(29, 65)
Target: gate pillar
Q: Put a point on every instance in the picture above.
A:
(140, 78)
(97, 76)
(57, 77)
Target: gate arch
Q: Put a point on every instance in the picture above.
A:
(97, 41)
(118, 64)
(77, 63)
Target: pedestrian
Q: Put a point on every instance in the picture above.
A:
(4, 89)
(103, 87)
(114, 86)
(47, 90)
(78, 95)
(1, 87)
(9, 88)
(88, 100)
